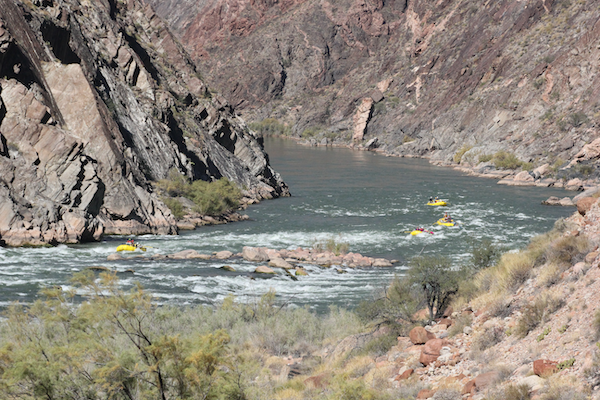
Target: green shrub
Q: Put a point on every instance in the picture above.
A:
(210, 198)
(485, 157)
(461, 152)
(485, 254)
(544, 333)
(310, 132)
(505, 160)
(175, 206)
(539, 82)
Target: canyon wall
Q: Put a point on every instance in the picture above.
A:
(97, 101)
(424, 78)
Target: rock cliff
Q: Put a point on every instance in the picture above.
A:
(97, 101)
(425, 78)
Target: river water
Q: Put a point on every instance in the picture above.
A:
(366, 200)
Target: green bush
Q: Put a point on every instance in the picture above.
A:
(210, 198)
(175, 206)
(488, 338)
(577, 119)
(485, 254)
(461, 152)
(485, 157)
(505, 160)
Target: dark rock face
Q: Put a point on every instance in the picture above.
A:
(505, 75)
(97, 101)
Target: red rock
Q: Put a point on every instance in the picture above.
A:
(425, 394)
(445, 321)
(469, 387)
(482, 381)
(431, 351)
(544, 368)
(584, 205)
(591, 257)
(418, 335)
(405, 375)
(448, 312)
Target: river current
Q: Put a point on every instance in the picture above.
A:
(366, 200)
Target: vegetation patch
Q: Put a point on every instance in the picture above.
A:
(270, 127)
(461, 152)
(210, 198)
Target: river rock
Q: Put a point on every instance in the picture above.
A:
(184, 254)
(280, 263)
(541, 171)
(381, 262)
(524, 176)
(114, 257)
(574, 184)
(223, 255)
(227, 268)
(255, 254)
(301, 272)
(263, 269)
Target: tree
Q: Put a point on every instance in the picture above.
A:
(438, 281)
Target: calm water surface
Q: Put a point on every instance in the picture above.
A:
(366, 200)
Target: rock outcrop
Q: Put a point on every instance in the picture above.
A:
(97, 101)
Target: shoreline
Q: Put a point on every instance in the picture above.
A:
(538, 177)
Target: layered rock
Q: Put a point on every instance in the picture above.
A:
(97, 101)
(439, 74)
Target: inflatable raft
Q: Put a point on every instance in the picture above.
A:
(127, 247)
(437, 203)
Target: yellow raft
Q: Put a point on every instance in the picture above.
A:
(417, 232)
(127, 247)
(443, 222)
(437, 203)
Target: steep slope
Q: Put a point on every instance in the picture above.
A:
(425, 78)
(98, 100)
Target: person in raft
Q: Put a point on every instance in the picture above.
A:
(131, 242)
(447, 218)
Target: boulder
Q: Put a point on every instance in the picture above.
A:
(255, 254)
(469, 387)
(301, 272)
(184, 254)
(227, 268)
(591, 257)
(575, 184)
(263, 269)
(544, 367)
(523, 176)
(404, 375)
(445, 321)
(584, 204)
(579, 268)
(431, 351)
(566, 202)
(280, 263)
(114, 257)
(541, 171)
(223, 255)
(419, 335)
(381, 262)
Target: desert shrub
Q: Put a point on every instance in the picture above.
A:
(270, 127)
(487, 338)
(539, 82)
(536, 313)
(505, 160)
(331, 245)
(407, 139)
(380, 345)
(175, 206)
(398, 302)
(484, 254)
(577, 119)
(500, 308)
(485, 157)
(516, 392)
(596, 325)
(460, 323)
(310, 132)
(447, 394)
(437, 280)
(549, 274)
(562, 391)
(459, 154)
(567, 250)
(210, 198)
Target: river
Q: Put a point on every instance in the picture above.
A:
(366, 200)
